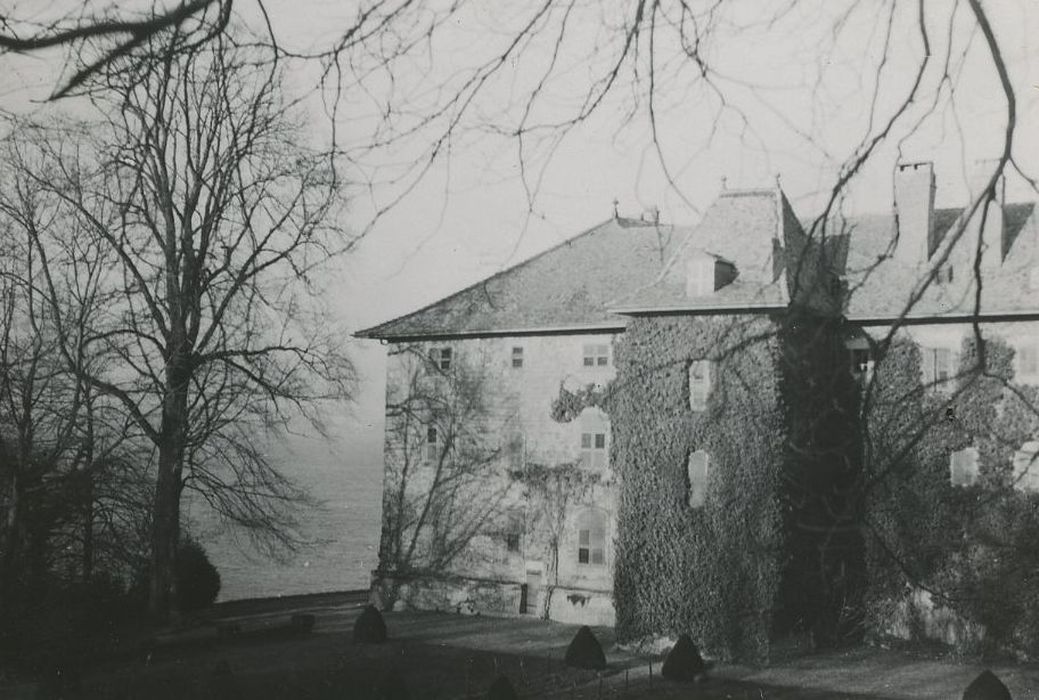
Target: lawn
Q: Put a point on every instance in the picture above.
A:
(440, 656)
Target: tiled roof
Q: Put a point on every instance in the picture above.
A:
(758, 232)
(881, 288)
(563, 288)
(626, 266)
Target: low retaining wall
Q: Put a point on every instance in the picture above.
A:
(472, 596)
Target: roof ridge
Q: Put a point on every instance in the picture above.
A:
(371, 331)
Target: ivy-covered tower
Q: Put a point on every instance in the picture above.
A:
(733, 415)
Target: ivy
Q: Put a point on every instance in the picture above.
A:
(971, 547)
(711, 571)
(568, 405)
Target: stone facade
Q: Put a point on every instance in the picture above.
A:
(542, 548)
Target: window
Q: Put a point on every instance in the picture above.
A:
(517, 358)
(699, 384)
(861, 363)
(1027, 361)
(697, 472)
(512, 541)
(431, 443)
(1026, 467)
(963, 467)
(944, 274)
(935, 365)
(441, 358)
(515, 450)
(593, 450)
(597, 355)
(593, 439)
(591, 539)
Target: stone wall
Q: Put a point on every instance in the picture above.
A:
(516, 430)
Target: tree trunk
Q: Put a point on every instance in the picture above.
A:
(88, 528)
(12, 525)
(165, 532)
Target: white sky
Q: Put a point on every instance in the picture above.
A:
(470, 217)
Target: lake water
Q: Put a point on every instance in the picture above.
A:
(347, 525)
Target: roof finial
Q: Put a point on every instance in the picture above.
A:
(779, 181)
(725, 183)
(616, 203)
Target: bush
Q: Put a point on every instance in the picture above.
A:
(197, 580)
(501, 689)
(585, 651)
(370, 628)
(986, 687)
(683, 662)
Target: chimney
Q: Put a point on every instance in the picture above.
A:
(651, 215)
(993, 243)
(914, 209)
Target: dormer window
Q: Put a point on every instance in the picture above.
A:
(706, 273)
(699, 276)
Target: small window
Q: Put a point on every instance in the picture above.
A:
(596, 355)
(697, 469)
(1026, 467)
(515, 450)
(517, 358)
(593, 450)
(441, 358)
(935, 365)
(861, 363)
(944, 274)
(512, 541)
(431, 443)
(963, 467)
(1027, 361)
(699, 384)
(591, 539)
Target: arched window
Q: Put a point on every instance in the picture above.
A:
(699, 384)
(697, 469)
(963, 467)
(591, 538)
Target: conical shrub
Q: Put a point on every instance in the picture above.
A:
(585, 651)
(986, 687)
(370, 628)
(683, 662)
(501, 689)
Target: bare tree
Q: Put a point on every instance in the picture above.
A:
(198, 187)
(443, 450)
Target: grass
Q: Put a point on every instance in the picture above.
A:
(441, 656)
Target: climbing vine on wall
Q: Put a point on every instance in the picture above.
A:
(972, 547)
(711, 571)
(568, 405)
